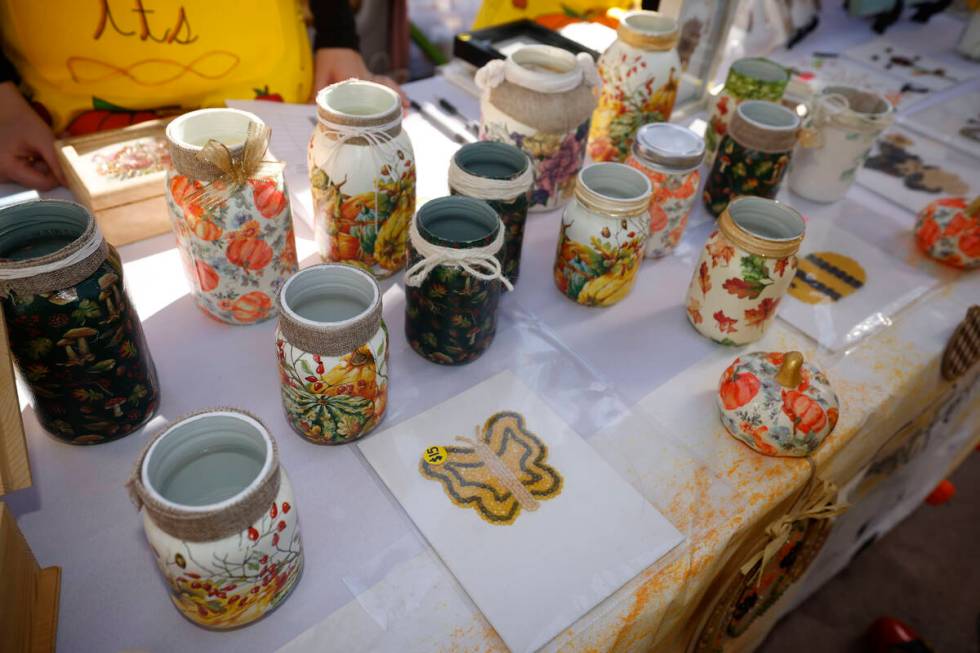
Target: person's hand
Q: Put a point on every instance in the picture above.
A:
(332, 65)
(26, 144)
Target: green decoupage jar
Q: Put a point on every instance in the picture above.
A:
(453, 281)
(74, 335)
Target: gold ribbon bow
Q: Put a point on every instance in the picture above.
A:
(236, 168)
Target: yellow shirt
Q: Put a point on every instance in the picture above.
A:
(100, 56)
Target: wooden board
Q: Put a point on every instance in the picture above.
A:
(15, 473)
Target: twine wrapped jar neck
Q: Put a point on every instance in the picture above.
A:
(490, 171)
(764, 126)
(613, 190)
(668, 147)
(187, 136)
(648, 30)
(852, 109)
(354, 109)
(762, 226)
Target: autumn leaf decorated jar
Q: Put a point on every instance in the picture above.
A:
(539, 100)
(501, 175)
(776, 403)
(753, 156)
(603, 235)
(948, 230)
(332, 347)
(74, 333)
(744, 270)
(220, 517)
(839, 130)
(362, 176)
(640, 74)
(670, 156)
(229, 208)
(749, 78)
(454, 279)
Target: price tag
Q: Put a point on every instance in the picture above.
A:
(435, 455)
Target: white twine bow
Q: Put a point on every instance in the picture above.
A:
(485, 188)
(480, 262)
(87, 249)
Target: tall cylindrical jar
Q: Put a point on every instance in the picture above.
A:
(229, 208)
(838, 132)
(501, 175)
(539, 100)
(670, 156)
(744, 270)
(73, 332)
(750, 78)
(220, 517)
(332, 347)
(362, 175)
(603, 234)
(452, 285)
(640, 74)
(754, 154)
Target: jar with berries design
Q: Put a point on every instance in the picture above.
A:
(948, 230)
(229, 208)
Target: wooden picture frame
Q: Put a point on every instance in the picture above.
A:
(15, 472)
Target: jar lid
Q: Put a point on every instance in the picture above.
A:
(613, 190)
(668, 145)
(648, 30)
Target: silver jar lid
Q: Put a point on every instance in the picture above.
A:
(670, 146)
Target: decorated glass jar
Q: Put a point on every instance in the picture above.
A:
(539, 100)
(750, 78)
(754, 154)
(777, 403)
(74, 334)
(948, 230)
(452, 285)
(501, 175)
(603, 234)
(670, 156)
(362, 176)
(838, 132)
(220, 517)
(229, 208)
(332, 347)
(745, 270)
(640, 74)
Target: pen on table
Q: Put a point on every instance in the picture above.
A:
(451, 109)
(438, 122)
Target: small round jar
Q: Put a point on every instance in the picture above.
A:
(749, 78)
(73, 331)
(603, 235)
(640, 75)
(948, 230)
(238, 246)
(220, 517)
(501, 175)
(777, 403)
(839, 131)
(745, 270)
(332, 347)
(362, 176)
(670, 156)
(451, 314)
(753, 156)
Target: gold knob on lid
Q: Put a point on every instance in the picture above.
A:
(790, 372)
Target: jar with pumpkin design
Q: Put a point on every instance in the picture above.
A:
(362, 176)
(539, 100)
(670, 156)
(753, 155)
(603, 234)
(948, 230)
(839, 130)
(777, 403)
(229, 208)
(749, 78)
(74, 333)
(640, 75)
(744, 270)
(332, 347)
(220, 517)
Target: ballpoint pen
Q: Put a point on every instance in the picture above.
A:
(438, 122)
(451, 109)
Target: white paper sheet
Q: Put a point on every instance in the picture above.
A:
(902, 59)
(536, 576)
(955, 122)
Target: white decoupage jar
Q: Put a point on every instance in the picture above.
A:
(540, 99)
(362, 176)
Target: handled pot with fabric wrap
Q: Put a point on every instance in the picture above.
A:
(73, 332)
(362, 176)
(332, 347)
(229, 208)
(220, 516)
(540, 99)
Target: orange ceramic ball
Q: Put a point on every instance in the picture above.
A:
(948, 230)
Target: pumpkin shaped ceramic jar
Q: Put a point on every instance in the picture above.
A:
(776, 403)
(948, 230)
